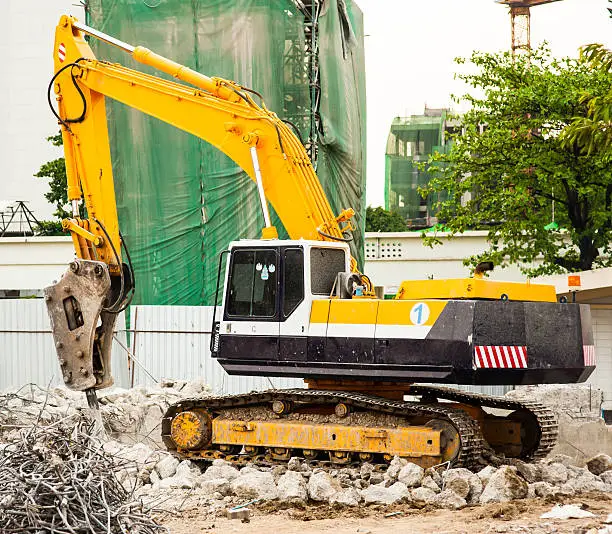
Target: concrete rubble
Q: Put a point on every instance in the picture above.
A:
(129, 415)
(162, 482)
(504, 485)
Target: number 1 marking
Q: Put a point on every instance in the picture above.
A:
(419, 313)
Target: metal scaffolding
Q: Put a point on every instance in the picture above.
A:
(304, 65)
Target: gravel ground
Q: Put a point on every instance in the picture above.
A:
(514, 517)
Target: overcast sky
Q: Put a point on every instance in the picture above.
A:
(410, 46)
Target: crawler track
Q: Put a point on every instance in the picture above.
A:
(544, 418)
(474, 451)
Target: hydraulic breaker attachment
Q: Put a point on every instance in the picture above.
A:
(82, 331)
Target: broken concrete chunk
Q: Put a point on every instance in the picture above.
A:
(166, 467)
(559, 459)
(485, 474)
(411, 475)
(606, 477)
(599, 464)
(176, 481)
(542, 489)
(435, 475)
(321, 486)
(366, 470)
(292, 487)
(221, 469)
(346, 497)
(215, 485)
(376, 478)
(459, 485)
(395, 467)
(430, 484)
(255, 485)
(530, 472)
(294, 464)
(504, 485)
(555, 474)
(450, 500)
(423, 494)
(585, 483)
(456, 479)
(378, 494)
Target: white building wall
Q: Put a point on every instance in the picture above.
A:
(31, 263)
(26, 47)
(395, 256)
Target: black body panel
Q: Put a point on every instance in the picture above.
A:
(553, 334)
(254, 348)
(293, 349)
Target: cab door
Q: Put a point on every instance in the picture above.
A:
(295, 309)
(250, 326)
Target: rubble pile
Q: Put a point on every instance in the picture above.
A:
(571, 402)
(56, 478)
(129, 415)
(161, 482)
(164, 482)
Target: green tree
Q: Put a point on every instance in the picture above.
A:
(509, 169)
(381, 220)
(55, 171)
(593, 132)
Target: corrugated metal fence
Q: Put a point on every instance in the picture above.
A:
(174, 342)
(163, 342)
(27, 353)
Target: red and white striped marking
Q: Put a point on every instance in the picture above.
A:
(589, 354)
(500, 357)
(61, 52)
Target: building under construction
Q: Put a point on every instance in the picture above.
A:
(411, 141)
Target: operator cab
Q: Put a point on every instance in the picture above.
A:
(269, 289)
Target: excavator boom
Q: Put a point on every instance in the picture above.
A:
(99, 284)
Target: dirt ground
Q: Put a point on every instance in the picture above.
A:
(518, 516)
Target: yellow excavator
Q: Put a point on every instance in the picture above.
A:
(299, 307)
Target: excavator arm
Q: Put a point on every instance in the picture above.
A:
(84, 304)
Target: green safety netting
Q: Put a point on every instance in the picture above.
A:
(180, 200)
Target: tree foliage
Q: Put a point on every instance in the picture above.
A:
(55, 171)
(381, 220)
(509, 165)
(593, 132)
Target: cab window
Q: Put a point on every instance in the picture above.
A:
(325, 264)
(293, 280)
(253, 284)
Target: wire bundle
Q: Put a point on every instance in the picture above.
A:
(57, 478)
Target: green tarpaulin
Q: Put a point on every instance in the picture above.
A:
(180, 200)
